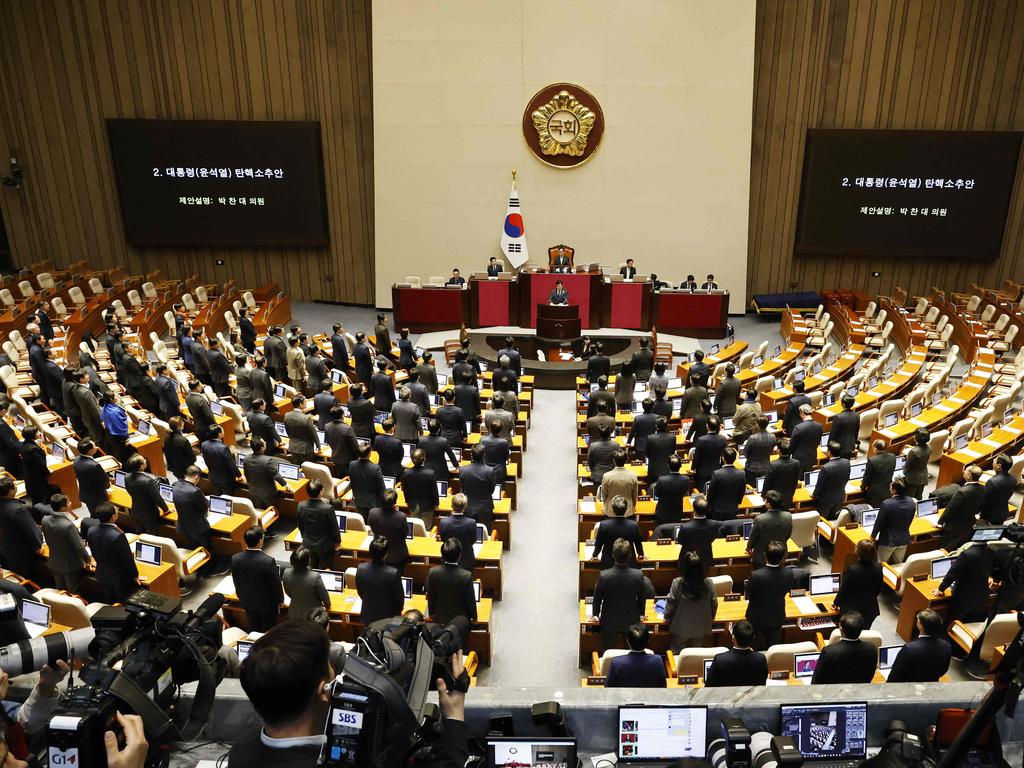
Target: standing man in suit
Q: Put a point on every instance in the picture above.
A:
(792, 416)
(366, 481)
(638, 668)
(389, 521)
(220, 369)
(670, 489)
(861, 583)
(846, 428)
(628, 271)
(296, 364)
(115, 565)
(262, 426)
(341, 439)
(830, 490)
(93, 481)
(559, 295)
(642, 427)
(995, 505)
(463, 529)
(699, 533)
(21, 543)
(198, 406)
(438, 451)
(661, 446)
(477, 481)
(67, 554)
(969, 577)
(275, 350)
(247, 331)
(382, 387)
(758, 450)
(323, 401)
(504, 378)
(958, 518)
(892, 525)
(449, 589)
(783, 475)
(643, 360)
(497, 451)
(602, 419)
(766, 595)
(707, 453)
(178, 451)
(465, 397)
(427, 372)
(379, 585)
(744, 422)
(598, 396)
(318, 527)
(192, 507)
(262, 384)
(362, 412)
(221, 465)
(727, 393)
(406, 415)
(382, 336)
(741, 664)
(924, 659)
(144, 488)
(878, 474)
(613, 528)
(452, 418)
(805, 439)
(494, 267)
(419, 394)
(601, 455)
(167, 393)
(727, 488)
(700, 369)
(915, 470)
(693, 396)
(619, 596)
(851, 660)
(499, 411)
(390, 451)
(774, 524)
(33, 461)
(598, 365)
(257, 579)
(515, 359)
(339, 348)
(262, 473)
(10, 450)
(303, 441)
(317, 375)
(363, 359)
(621, 481)
(200, 357)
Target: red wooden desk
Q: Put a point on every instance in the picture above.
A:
(493, 302)
(703, 315)
(584, 290)
(626, 305)
(429, 308)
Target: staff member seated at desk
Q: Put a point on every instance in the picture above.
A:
(709, 284)
(689, 284)
(926, 658)
(638, 668)
(494, 267)
(628, 271)
(851, 660)
(559, 295)
(456, 279)
(741, 664)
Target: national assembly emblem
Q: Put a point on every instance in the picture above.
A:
(563, 125)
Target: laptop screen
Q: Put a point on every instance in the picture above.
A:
(940, 567)
(891, 419)
(119, 477)
(389, 482)
(658, 734)
(836, 731)
(887, 655)
(220, 505)
(868, 521)
(477, 588)
(857, 469)
(337, 376)
(143, 427)
(243, 647)
(442, 379)
(825, 584)
(288, 471)
(481, 533)
(760, 484)
(811, 478)
(442, 488)
(748, 526)
(342, 521)
(35, 613)
(707, 667)
(987, 534)
(147, 553)
(279, 390)
(804, 664)
(333, 581)
(280, 428)
(828, 400)
(531, 752)
(496, 493)
(57, 451)
(166, 492)
(927, 507)
(714, 348)
(407, 586)
(217, 408)
(916, 408)
(961, 441)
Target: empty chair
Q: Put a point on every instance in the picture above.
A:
(962, 427)
(723, 584)
(917, 564)
(172, 327)
(690, 661)
(134, 299)
(805, 525)
(419, 528)
(936, 443)
(869, 311)
(878, 323)
(988, 313)
(236, 307)
(66, 608)
(149, 290)
(818, 338)
(188, 302)
(186, 562)
(435, 280)
(780, 656)
(764, 384)
(879, 341)
(59, 310)
(921, 306)
(316, 471)
(353, 521)
(119, 309)
(96, 286)
(936, 332)
(243, 506)
(762, 348)
(1001, 631)
(889, 407)
(414, 280)
(27, 291)
(744, 362)
(249, 300)
(868, 422)
(201, 294)
(1004, 344)
(76, 295)
(7, 298)
(46, 281)
(931, 316)
(229, 318)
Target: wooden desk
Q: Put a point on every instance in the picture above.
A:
(730, 353)
(923, 537)
(917, 595)
(895, 386)
(774, 367)
(1004, 439)
(842, 368)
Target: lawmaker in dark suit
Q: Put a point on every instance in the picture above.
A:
(67, 554)
(707, 453)
(262, 473)
(92, 480)
(362, 412)
(503, 378)
(220, 369)
(449, 589)
(339, 348)
(221, 466)
(619, 596)
(727, 393)
(363, 359)
(379, 585)
(846, 428)
(830, 490)
(515, 359)
(783, 475)
(167, 393)
(389, 521)
(670, 489)
(926, 658)
(851, 660)
(115, 565)
(598, 365)
(452, 418)
(995, 506)
(458, 526)
(774, 524)
(642, 427)
(726, 489)
(792, 416)
(968, 576)
(178, 451)
(805, 439)
(341, 438)
(420, 488)
(438, 451)
(494, 267)
(33, 462)
(559, 295)
(497, 451)
(638, 668)
(698, 534)
(741, 665)
(915, 469)
(323, 402)
(766, 595)
(144, 489)
(892, 525)
(318, 526)
(878, 474)
(477, 481)
(247, 331)
(199, 408)
(601, 455)
(861, 583)
(366, 481)
(628, 271)
(257, 580)
(390, 451)
(660, 447)
(10, 453)
(611, 529)
(382, 388)
(598, 396)
(192, 507)
(958, 518)
(758, 450)
(303, 440)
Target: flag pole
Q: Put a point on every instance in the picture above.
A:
(513, 178)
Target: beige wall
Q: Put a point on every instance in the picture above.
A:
(668, 186)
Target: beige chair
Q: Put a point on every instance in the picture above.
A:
(1006, 343)
(76, 295)
(188, 302)
(942, 342)
(878, 323)
(201, 295)
(67, 609)
(918, 564)
(780, 656)
(419, 528)
(921, 306)
(96, 286)
(873, 637)
(690, 661)
(149, 290)
(350, 578)
(745, 359)
(764, 384)
(436, 281)
(889, 407)
(938, 440)
(186, 562)
(879, 341)
(7, 298)
(119, 309)
(60, 311)
(971, 307)
(723, 585)
(805, 524)
(818, 338)
(249, 299)
(134, 299)
(868, 421)
(353, 521)
(998, 329)
(414, 280)
(26, 289)
(815, 397)
(930, 317)
(243, 506)
(315, 471)
(1001, 631)
(46, 281)
(230, 636)
(869, 311)
(229, 318)
(603, 664)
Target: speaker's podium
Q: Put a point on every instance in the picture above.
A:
(558, 321)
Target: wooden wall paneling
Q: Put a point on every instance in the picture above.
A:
(891, 64)
(73, 65)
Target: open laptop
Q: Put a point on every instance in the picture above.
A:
(337, 376)
(389, 482)
(143, 426)
(857, 469)
(804, 665)
(961, 441)
(407, 586)
(760, 484)
(868, 518)
(887, 657)
(825, 584)
(442, 380)
(442, 488)
(119, 478)
(827, 734)
(748, 526)
(280, 428)
(891, 420)
(217, 408)
(220, 505)
(661, 735)
(940, 567)
(242, 648)
(279, 391)
(531, 752)
(288, 471)
(916, 408)
(166, 493)
(928, 509)
(148, 553)
(707, 669)
(477, 591)
(333, 581)
(36, 617)
(811, 478)
(828, 400)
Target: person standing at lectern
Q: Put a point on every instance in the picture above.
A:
(689, 284)
(456, 278)
(709, 284)
(559, 295)
(561, 262)
(493, 268)
(628, 271)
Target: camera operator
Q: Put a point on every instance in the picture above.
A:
(34, 713)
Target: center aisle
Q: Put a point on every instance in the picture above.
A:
(536, 626)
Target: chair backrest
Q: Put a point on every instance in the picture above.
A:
(45, 280)
(249, 299)
(350, 578)
(690, 661)
(419, 528)
(988, 313)
(764, 384)
(890, 406)
(870, 309)
(931, 315)
(188, 302)
(134, 299)
(723, 585)
(974, 302)
(1001, 631)
(921, 306)
(168, 551)
(435, 280)
(76, 295)
(169, 319)
(804, 525)
(7, 298)
(201, 294)
(818, 311)
(917, 564)
(780, 656)
(67, 609)
(938, 440)
(58, 306)
(1011, 334)
(95, 286)
(229, 318)
(149, 290)
(745, 360)
(611, 653)
(873, 637)
(236, 307)
(119, 309)
(354, 521)
(882, 315)
(27, 291)
(868, 420)
(314, 471)
(414, 280)
(762, 348)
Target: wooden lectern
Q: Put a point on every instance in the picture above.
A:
(558, 321)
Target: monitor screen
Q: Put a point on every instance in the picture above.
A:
(676, 383)
(900, 461)
(760, 484)
(868, 520)
(756, 361)
(342, 519)
(248, 182)
(916, 408)
(987, 534)
(825, 584)
(333, 581)
(288, 471)
(281, 429)
(496, 493)
(217, 408)
(220, 505)
(243, 647)
(832, 731)
(442, 380)
(891, 419)
(857, 469)
(961, 441)
(887, 656)
(828, 400)
(407, 449)
(35, 613)
(337, 376)
(147, 553)
(940, 567)
(143, 427)
(442, 488)
(824, 440)
(748, 526)
(119, 478)
(657, 734)
(926, 507)
(407, 586)
(57, 450)
(811, 478)
(903, 194)
(714, 349)
(707, 667)
(166, 492)
(804, 664)
(410, 530)
(477, 589)
(389, 482)
(279, 391)
(986, 428)
(481, 533)
(531, 752)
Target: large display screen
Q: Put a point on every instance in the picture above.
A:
(906, 193)
(219, 182)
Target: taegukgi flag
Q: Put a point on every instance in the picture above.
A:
(513, 231)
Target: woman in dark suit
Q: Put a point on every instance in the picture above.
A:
(861, 583)
(304, 587)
